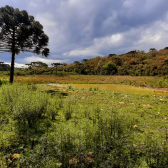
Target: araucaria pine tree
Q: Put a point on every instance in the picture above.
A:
(20, 32)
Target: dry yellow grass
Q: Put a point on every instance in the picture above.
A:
(139, 80)
(143, 81)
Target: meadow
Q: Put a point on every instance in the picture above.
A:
(139, 81)
(44, 125)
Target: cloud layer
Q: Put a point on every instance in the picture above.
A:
(80, 29)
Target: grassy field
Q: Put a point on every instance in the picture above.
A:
(48, 126)
(142, 81)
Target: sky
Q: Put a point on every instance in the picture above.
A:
(84, 29)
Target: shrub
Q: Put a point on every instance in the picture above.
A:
(69, 87)
(3, 81)
(53, 106)
(26, 106)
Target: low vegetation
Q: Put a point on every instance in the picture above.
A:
(47, 126)
(139, 81)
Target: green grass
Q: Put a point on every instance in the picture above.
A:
(3, 81)
(87, 128)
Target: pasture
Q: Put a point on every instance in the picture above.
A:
(45, 125)
(138, 81)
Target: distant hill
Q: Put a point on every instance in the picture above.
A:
(136, 63)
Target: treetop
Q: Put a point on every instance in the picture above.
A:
(20, 32)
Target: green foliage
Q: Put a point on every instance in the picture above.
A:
(3, 81)
(6, 73)
(30, 110)
(38, 64)
(69, 108)
(83, 129)
(20, 73)
(96, 89)
(19, 32)
(26, 106)
(134, 63)
(90, 89)
(109, 68)
(53, 106)
(4, 67)
(69, 87)
(144, 57)
(25, 29)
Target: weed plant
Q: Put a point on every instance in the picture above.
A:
(69, 87)
(96, 129)
(3, 81)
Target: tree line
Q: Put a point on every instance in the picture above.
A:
(135, 63)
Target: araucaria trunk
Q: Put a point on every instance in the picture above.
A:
(13, 57)
(12, 68)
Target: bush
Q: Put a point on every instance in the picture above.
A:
(21, 73)
(26, 106)
(53, 106)
(3, 81)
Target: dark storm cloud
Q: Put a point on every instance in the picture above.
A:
(142, 12)
(81, 29)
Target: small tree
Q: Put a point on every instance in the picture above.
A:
(132, 52)
(20, 32)
(76, 62)
(110, 68)
(111, 55)
(84, 60)
(29, 66)
(64, 66)
(153, 50)
(56, 66)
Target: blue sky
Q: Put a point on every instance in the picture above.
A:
(83, 29)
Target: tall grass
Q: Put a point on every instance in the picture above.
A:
(3, 81)
(52, 131)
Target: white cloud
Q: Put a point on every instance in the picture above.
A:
(146, 37)
(48, 61)
(46, 19)
(32, 4)
(140, 38)
(128, 3)
(108, 41)
(17, 65)
(45, 60)
(74, 2)
(48, 1)
(52, 29)
(82, 52)
(99, 45)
